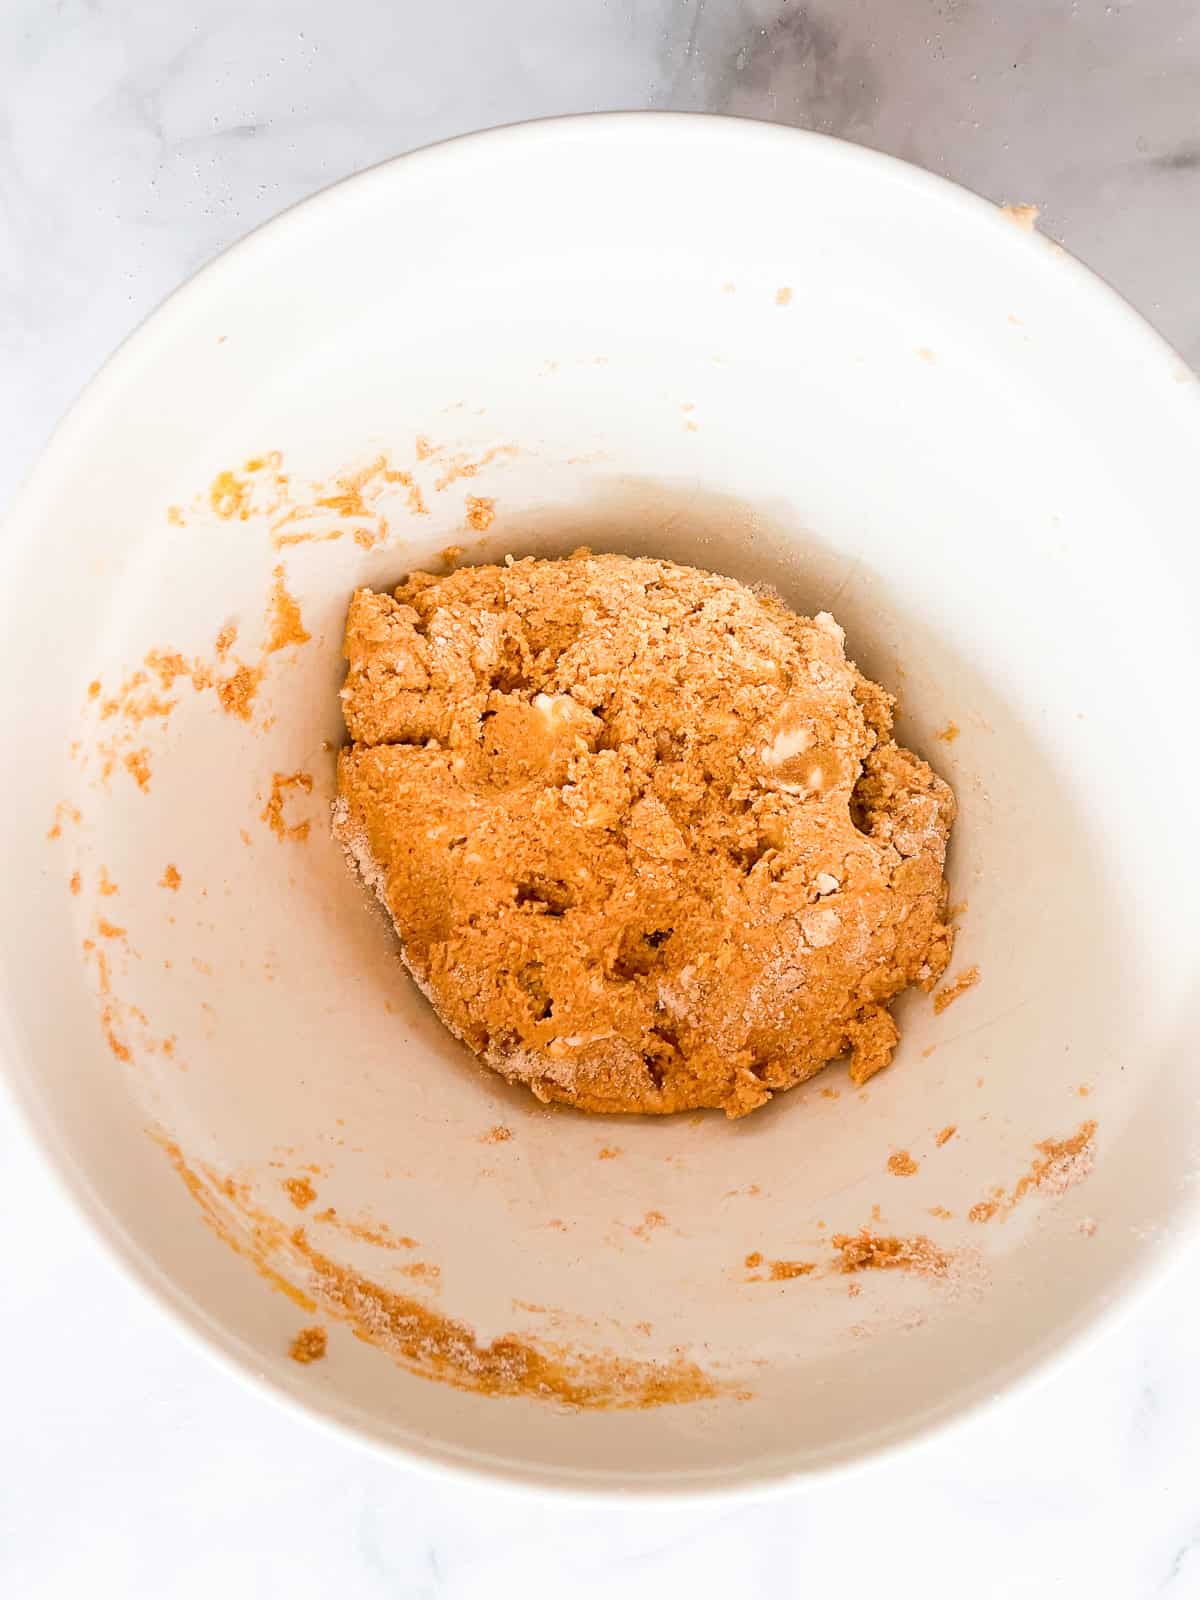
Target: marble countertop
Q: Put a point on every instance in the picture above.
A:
(138, 139)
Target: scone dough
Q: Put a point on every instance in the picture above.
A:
(644, 833)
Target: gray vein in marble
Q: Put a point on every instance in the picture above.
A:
(1181, 1560)
(1185, 158)
(801, 66)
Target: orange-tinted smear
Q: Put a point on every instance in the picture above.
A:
(168, 665)
(781, 1270)
(272, 812)
(109, 1021)
(497, 1135)
(648, 1224)
(111, 1011)
(284, 623)
(63, 811)
(229, 496)
(1060, 1163)
(368, 1233)
(138, 767)
(949, 733)
(425, 1341)
(461, 466)
(946, 1134)
(171, 878)
(135, 700)
(950, 992)
(258, 488)
(119, 1019)
(267, 1233)
(236, 690)
(423, 1270)
(281, 540)
(352, 495)
(284, 627)
(866, 1251)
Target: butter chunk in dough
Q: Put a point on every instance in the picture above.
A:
(644, 833)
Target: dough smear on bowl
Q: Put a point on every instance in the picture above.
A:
(644, 833)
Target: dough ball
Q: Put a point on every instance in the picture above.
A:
(644, 833)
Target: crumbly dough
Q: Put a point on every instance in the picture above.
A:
(644, 833)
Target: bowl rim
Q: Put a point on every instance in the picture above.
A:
(18, 1090)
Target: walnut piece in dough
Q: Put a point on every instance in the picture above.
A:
(644, 834)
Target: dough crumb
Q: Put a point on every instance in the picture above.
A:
(902, 1165)
(481, 512)
(1022, 216)
(967, 979)
(300, 1192)
(309, 1345)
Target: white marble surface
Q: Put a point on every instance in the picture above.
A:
(137, 139)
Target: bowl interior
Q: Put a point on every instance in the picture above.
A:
(733, 346)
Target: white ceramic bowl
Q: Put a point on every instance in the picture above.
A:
(733, 345)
